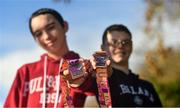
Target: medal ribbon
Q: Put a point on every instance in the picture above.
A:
(68, 102)
(102, 79)
(103, 88)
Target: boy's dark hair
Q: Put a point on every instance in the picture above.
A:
(46, 11)
(114, 27)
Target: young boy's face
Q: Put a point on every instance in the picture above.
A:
(48, 32)
(119, 46)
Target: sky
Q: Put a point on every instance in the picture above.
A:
(87, 20)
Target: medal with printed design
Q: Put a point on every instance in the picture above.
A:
(75, 68)
(102, 79)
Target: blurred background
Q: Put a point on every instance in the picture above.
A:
(155, 26)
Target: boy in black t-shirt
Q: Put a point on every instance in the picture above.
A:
(126, 88)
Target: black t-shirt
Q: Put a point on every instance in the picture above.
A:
(129, 90)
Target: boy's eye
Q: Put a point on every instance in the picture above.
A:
(116, 43)
(37, 34)
(50, 27)
(125, 42)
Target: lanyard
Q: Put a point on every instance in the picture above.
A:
(103, 88)
(102, 79)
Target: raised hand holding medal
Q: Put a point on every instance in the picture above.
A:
(100, 63)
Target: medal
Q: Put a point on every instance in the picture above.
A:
(75, 68)
(102, 79)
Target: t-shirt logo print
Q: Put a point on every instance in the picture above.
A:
(138, 100)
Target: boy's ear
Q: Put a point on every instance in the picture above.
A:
(66, 26)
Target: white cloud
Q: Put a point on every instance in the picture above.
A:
(11, 62)
(171, 33)
(9, 65)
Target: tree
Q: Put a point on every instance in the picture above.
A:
(162, 66)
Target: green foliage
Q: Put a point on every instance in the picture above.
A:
(162, 66)
(164, 73)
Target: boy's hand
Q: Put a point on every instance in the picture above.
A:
(108, 65)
